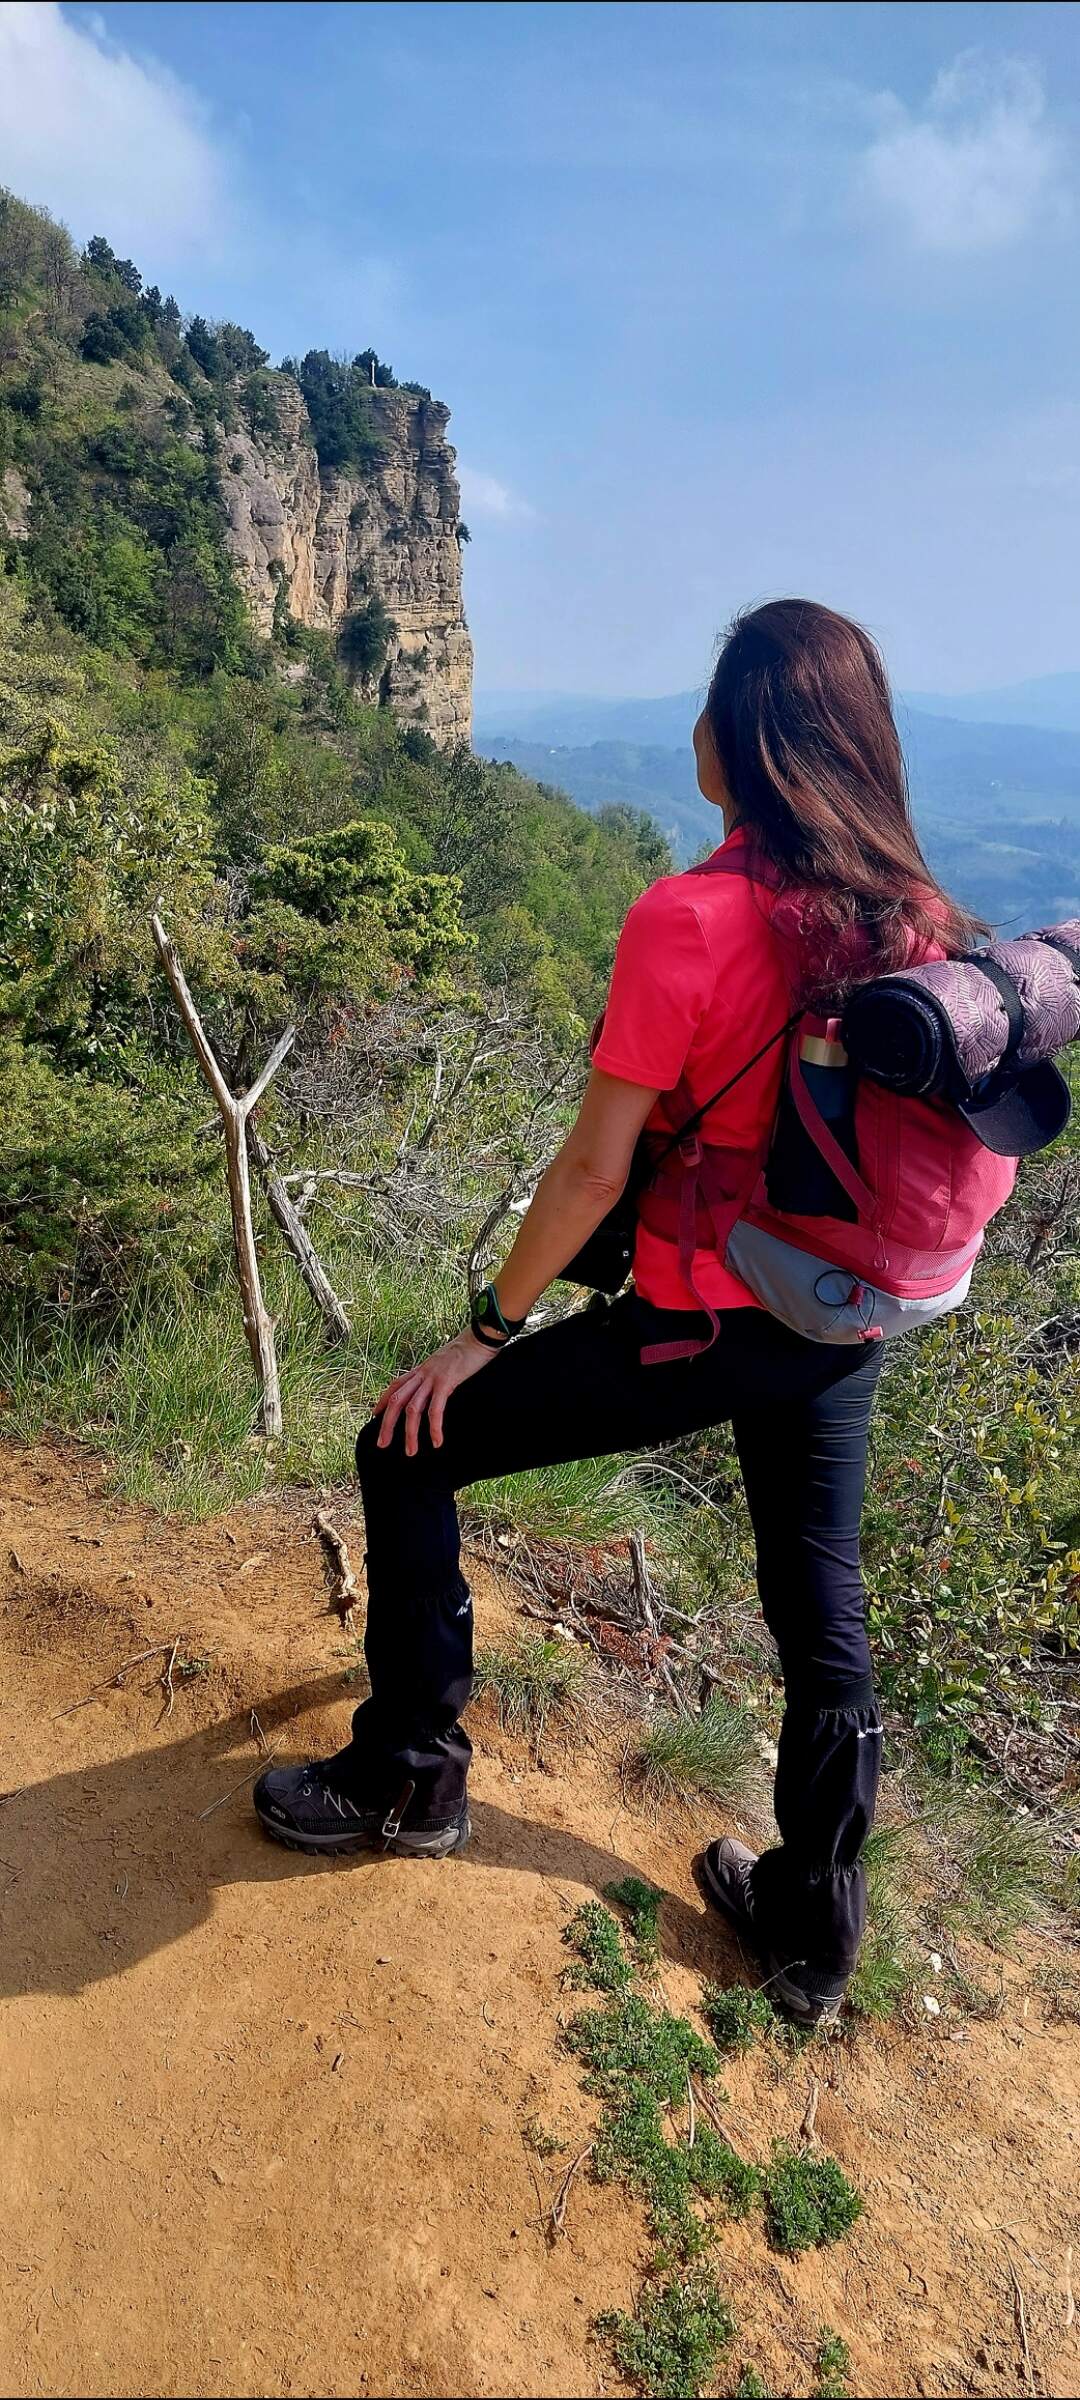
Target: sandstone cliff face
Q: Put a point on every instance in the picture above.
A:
(344, 539)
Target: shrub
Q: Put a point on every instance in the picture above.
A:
(641, 1904)
(364, 639)
(808, 2200)
(673, 2345)
(832, 2366)
(718, 2173)
(601, 1963)
(627, 2038)
(736, 2016)
(632, 2148)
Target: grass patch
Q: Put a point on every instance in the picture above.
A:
(997, 1869)
(885, 1969)
(601, 1963)
(1059, 1991)
(529, 1683)
(808, 2200)
(677, 1757)
(751, 2387)
(736, 2016)
(718, 2173)
(168, 1394)
(584, 1500)
(640, 1903)
(674, 2344)
(627, 2041)
(832, 2367)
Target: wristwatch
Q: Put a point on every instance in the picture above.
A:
(488, 1322)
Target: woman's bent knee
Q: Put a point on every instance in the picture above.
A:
(376, 1464)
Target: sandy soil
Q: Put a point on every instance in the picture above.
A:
(264, 2118)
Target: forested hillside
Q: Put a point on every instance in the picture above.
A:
(313, 860)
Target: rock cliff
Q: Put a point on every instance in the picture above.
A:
(343, 539)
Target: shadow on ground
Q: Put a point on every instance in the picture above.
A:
(108, 1864)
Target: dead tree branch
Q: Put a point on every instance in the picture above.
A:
(299, 1240)
(234, 1111)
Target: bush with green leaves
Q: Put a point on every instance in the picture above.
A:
(719, 2173)
(736, 2015)
(600, 1962)
(640, 1903)
(971, 1572)
(809, 2201)
(364, 639)
(674, 2343)
(627, 2037)
(832, 2366)
(633, 2148)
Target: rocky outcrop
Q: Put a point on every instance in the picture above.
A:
(338, 541)
(14, 506)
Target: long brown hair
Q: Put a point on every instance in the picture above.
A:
(801, 715)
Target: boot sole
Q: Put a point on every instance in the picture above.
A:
(333, 1845)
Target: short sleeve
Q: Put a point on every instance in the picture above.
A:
(663, 981)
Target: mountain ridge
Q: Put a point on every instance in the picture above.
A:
(998, 805)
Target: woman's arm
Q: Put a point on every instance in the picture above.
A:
(573, 1197)
(583, 1181)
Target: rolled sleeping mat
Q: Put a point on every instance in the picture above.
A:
(980, 1032)
(897, 1032)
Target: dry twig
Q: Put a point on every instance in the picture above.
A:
(237, 1787)
(167, 1681)
(692, 2136)
(1020, 2318)
(299, 1241)
(806, 2129)
(344, 1589)
(558, 2210)
(157, 1650)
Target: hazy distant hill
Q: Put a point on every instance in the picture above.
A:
(1047, 700)
(998, 804)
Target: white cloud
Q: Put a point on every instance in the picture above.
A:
(977, 167)
(485, 496)
(110, 142)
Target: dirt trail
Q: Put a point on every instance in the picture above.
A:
(263, 2117)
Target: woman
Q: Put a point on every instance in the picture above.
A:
(797, 749)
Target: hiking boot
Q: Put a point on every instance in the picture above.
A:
(301, 1808)
(723, 1874)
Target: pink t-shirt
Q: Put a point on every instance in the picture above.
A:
(697, 987)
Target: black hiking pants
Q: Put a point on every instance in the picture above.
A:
(800, 1412)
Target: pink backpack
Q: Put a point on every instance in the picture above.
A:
(847, 1229)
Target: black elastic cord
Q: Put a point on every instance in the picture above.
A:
(693, 1122)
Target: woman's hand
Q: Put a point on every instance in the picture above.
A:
(428, 1387)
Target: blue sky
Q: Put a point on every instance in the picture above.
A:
(725, 300)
